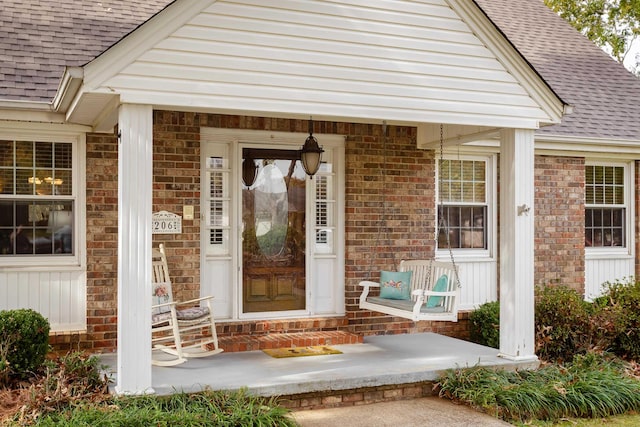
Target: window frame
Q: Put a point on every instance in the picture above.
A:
(629, 213)
(60, 134)
(471, 254)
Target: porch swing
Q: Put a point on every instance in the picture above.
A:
(421, 289)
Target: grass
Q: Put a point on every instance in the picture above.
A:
(589, 387)
(617, 421)
(69, 391)
(207, 408)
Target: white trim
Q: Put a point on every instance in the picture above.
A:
(536, 87)
(125, 51)
(237, 139)
(135, 165)
(491, 176)
(517, 235)
(617, 149)
(629, 205)
(64, 134)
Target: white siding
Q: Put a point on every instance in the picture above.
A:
(601, 270)
(478, 283)
(57, 295)
(410, 61)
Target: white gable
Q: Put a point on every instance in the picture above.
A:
(396, 60)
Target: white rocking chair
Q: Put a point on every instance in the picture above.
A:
(426, 303)
(180, 329)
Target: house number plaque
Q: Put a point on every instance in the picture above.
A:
(164, 222)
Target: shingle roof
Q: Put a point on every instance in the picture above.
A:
(605, 96)
(41, 37)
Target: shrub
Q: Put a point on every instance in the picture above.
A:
(208, 408)
(589, 387)
(24, 341)
(622, 301)
(562, 324)
(485, 324)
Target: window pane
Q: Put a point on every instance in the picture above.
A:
(62, 182)
(604, 185)
(26, 182)
(41, 170)
(36, 227)
(24, 154)
(463, 182)
(44, 155)
(604, 227)
(63, 153)
(6, 154)
(464, 225)
(6, 181)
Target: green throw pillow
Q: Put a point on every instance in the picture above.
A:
(395, 284)
(440, 286)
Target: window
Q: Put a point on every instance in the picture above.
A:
(605, 206)
(325, 208)
(463, 208)
(217, 197)
(37, 204)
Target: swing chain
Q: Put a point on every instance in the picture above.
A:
(441, 222)
(383, 218)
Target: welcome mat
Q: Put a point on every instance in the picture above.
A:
(314, 350)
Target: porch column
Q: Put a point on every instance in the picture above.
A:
(516, 244)
(134, 249)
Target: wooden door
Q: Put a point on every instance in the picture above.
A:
(273, 236)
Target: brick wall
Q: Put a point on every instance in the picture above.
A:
(559, 222)
(406, 188)
(389, 217)
(102, 241)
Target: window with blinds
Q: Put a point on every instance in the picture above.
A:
(462, 207)
(36, 198)
(605, 209)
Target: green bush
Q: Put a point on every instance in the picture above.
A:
(24, 341)
(208, 408)
(590, 386)
(485, 324)
(622, 302)
(562, 323)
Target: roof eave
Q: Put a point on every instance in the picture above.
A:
(68, 88)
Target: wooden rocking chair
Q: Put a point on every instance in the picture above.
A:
(181, 329)
(433, 296)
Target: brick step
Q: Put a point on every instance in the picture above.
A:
(238, 343)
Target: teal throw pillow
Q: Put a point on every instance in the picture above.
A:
(395, 284)
(440, 286)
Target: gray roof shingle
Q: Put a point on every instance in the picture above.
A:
(41, 37)
(605, 96)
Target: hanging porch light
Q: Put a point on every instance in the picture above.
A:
(311, 153)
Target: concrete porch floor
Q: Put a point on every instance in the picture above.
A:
(379, 361)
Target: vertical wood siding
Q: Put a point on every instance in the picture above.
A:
(599, 271)
(478, 283)
(58, 295)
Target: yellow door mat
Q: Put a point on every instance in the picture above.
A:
(314, 350)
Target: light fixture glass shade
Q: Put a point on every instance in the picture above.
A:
(311, 155)
(249, 172)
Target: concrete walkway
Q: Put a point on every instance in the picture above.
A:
(429, 411)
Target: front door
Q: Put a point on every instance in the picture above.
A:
(273, 231)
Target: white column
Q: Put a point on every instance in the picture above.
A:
(135, 162)
(517, 332)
